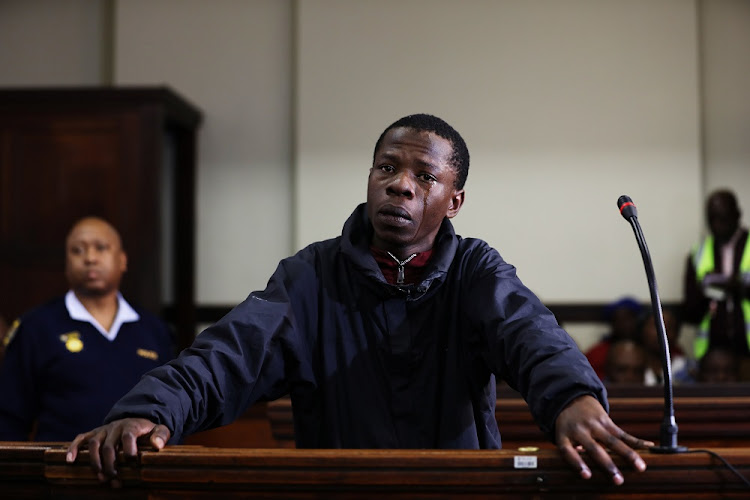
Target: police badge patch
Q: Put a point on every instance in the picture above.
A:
(72, 341)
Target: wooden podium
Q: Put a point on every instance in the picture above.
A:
(189, 472)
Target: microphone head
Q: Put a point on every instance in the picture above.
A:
(627, 207)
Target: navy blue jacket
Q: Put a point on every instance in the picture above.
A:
(372, 365)
(65, 376)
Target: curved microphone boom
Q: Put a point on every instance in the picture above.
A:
(668, 434)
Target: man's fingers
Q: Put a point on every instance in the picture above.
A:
(619, 446)
(618, 442)
(159, 436)
(597, 453)
(106, 441)
(604, 460)
(571, 455)
(72, 453)
(612, 430)
(108, 455)
(585, 423)
(93, 445)
(636, 443)
(129, 438)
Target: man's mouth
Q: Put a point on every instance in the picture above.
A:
(392, 212)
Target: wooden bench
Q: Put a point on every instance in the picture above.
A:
(706, 415)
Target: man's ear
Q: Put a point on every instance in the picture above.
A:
(457, 201)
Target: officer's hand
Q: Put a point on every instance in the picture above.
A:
(105, 441)
(584, 424)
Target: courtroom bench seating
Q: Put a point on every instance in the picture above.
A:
(707, 416)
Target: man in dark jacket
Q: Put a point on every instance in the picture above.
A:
(389, 336)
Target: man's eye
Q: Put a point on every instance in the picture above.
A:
(101, 247)
(386, 168)
(428, 178)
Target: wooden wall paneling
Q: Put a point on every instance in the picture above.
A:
(70, 152)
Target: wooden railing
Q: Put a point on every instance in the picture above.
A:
(192, 472)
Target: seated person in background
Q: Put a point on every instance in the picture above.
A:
(625, 363)
(623, 317)
(682, 367)
(719, 365)
(70, 359)
(717, 281)
(387, 336)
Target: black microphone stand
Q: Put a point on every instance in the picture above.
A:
(668, 434)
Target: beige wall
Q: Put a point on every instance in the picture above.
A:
(726, 95)
(565, 104)
(233, 59)
(48, 42)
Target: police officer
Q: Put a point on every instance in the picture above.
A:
(68, 360)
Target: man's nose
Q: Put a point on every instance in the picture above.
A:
(90, 254)
(402, 185)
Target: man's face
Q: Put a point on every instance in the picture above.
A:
(624, 323)
(723, 219)
(651, 332)
(411, 189)
(626, 363)
(718, 367)
(95, 260)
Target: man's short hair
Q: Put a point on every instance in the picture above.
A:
(726, 197)
(429, 123)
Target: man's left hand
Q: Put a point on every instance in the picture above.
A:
(584, 424)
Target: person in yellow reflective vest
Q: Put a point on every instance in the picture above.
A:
(717, 280)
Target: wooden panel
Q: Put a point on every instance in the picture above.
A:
(253, 430)
(70, 152)
(703, 420)
(59, 168)
(187, 472)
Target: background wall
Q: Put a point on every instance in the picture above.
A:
(725, 71)
(233, 59)
(565, 105)
(46, 42)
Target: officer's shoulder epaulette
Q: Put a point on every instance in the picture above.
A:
(11, 332)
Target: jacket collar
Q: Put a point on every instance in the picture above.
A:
(355, 245)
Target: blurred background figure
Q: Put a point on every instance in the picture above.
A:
(625, 363)
(623, 317)
(682, 367)
(717, 282)
(68, 360)
(719, 365)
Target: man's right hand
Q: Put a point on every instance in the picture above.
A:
(104, 442)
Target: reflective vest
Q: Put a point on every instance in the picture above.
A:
(703, 260)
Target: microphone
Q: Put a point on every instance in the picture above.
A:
(668, 434)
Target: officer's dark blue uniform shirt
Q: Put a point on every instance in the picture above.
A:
(61, 374)
(372, 365)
